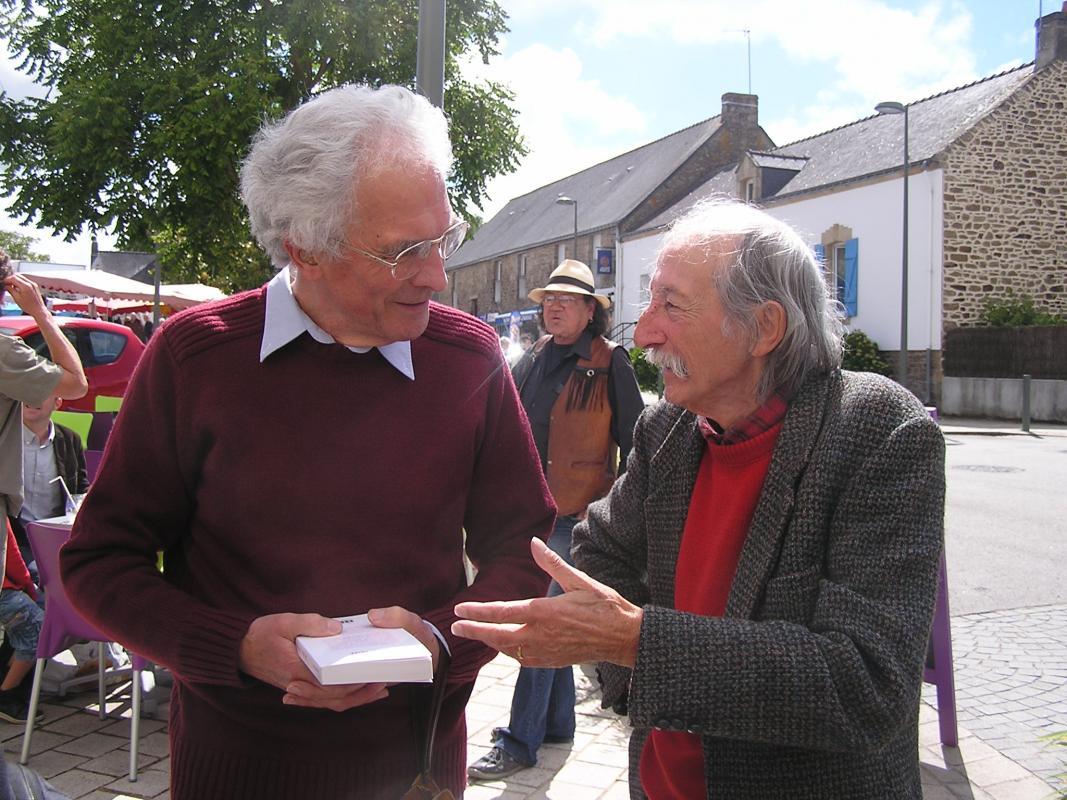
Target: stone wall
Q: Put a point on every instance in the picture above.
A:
(1005, 203)
(477, 280)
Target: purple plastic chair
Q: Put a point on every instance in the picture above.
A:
(64, 626)
(92, 463)
(939, 662)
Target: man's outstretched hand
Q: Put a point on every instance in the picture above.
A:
(588, 622)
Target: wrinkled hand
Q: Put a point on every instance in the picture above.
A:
(268, 652)
(588, 622)
(26, 295)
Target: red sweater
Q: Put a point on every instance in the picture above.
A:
(320, 480)
(724, 499)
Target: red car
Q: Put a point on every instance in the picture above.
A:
(109, 352)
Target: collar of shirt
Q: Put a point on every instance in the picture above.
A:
(285, 320)
(29, 438)
(763, 419)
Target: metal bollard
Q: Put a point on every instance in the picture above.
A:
(1026, 403)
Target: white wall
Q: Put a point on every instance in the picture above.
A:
(874, 213)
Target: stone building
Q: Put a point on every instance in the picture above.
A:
(584, 215)
(987, 206)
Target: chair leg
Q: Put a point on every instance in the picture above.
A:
(135, 724)
(101, 667)
(35, 696)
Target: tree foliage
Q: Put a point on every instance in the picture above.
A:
(862, 354)
(150, 107)
(648, 375)
(1016, 310)
(20, 247)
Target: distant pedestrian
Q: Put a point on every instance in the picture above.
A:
(582, 398)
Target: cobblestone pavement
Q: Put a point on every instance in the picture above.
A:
(1011, 682)
(87, 758)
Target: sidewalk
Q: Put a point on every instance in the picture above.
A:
(1000, 427)
(86, 757)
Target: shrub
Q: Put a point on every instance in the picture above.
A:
(862, 354)
(1015, 311)
(648, 377)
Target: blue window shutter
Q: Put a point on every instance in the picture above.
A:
(820, 254)
(852, 267)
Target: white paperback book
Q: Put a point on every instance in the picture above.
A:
(362, 653)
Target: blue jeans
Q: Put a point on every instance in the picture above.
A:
(22, 620)
(543, 702)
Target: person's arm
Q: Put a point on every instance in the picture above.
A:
(24, 292)
(508, 504)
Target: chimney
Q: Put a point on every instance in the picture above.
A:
(1051, 38)
(740, 110)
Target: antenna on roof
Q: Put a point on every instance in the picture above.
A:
(748, 40)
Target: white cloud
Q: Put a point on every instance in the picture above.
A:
(568, 121)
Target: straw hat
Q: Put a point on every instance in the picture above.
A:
(573, 277)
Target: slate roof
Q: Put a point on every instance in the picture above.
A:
(125, 263)
(872, 145)
(605, 192)
(774, 161)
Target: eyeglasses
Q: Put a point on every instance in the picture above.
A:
(562, 299)
(408, 262)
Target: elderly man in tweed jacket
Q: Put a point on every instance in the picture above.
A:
(760, 583)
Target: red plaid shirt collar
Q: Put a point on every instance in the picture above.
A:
(763, 419)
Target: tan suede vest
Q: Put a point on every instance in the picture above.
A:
(582, 455)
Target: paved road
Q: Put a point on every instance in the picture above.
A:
(1006, 514)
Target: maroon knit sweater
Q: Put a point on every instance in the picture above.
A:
(320, 480)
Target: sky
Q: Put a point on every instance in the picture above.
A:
(595, 78)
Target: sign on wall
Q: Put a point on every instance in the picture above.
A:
(605, 261)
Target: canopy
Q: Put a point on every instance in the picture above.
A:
(102, 306)
(97, 283)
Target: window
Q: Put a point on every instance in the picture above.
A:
(646, 295)
(94, 347)
(498, 270)
(839, 254)
(521, 282)
(474, 306)
(750, 190)
(561, 252)
(455, 298)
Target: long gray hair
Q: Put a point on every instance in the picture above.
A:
(301, 175)
(764, 259)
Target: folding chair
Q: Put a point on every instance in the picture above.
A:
(939, 662)
(64, 626)
(92, 463)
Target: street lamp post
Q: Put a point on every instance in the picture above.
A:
(902, 368)
(570, 201)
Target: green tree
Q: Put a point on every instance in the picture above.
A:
(150, 108)
(20, 247)
(862, 354)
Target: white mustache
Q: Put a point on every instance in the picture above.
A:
(658, 358)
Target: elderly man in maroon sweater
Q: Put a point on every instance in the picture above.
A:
(312, 449)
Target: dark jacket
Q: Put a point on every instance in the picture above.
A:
(808, 686)
(70, 459)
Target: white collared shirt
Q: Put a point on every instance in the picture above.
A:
(285, 320)
(41, 497)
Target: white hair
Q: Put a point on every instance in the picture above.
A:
(302, 172)
(761, 258)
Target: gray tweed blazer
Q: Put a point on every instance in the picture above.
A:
(809, 686)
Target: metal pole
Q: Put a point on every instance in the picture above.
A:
(902, 369)
(430, 53)
(155, 301)
(575, 230)
(1026, 403)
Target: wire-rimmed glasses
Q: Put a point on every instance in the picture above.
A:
(408, 262)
